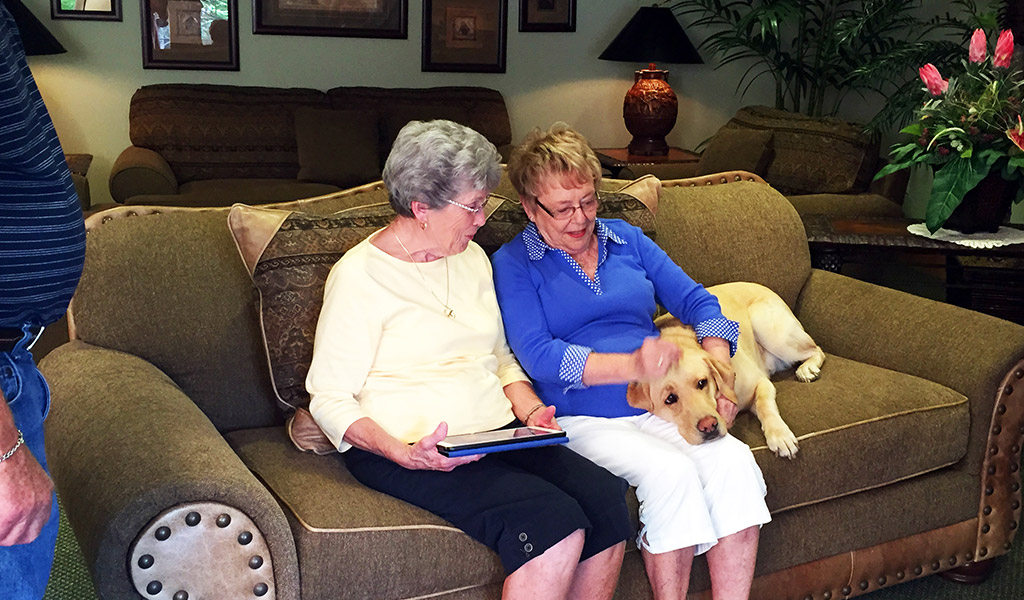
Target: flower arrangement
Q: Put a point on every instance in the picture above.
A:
(970, 126)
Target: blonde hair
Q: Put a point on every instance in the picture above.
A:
(560, 151)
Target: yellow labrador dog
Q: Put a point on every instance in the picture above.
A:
(771, 339)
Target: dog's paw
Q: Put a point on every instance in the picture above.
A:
(781, 441)
(808, 372)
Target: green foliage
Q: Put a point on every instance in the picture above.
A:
(818, 52)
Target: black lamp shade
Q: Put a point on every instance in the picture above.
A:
(652, 35)
(36, 38)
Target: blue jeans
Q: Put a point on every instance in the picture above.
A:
(25, 568)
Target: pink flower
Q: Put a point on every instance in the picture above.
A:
(1016, 134)
(931, 78)
(979, 46)
(1004, 50)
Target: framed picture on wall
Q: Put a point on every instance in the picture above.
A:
(547, 15)
(91, 10)
(334, 18)
(464, 35)
(190, 34)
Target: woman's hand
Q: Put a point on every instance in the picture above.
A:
(543, 417)
(423, 455)
(654, 358)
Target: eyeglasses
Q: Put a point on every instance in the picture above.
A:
(587, 205)
(466, 208)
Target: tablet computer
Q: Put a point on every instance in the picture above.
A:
(499, 440)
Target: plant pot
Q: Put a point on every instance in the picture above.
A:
(985, 207)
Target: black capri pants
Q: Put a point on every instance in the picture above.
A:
(519, 503)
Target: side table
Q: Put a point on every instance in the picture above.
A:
(989, 280)
(617, 159)
(78, 164)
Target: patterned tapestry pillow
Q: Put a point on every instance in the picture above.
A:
(289, 255)
(636, 203)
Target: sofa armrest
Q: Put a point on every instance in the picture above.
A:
(125, 444)
(892, 186)
(967, 351)
(140, 171)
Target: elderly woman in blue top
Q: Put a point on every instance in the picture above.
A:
(578, 296)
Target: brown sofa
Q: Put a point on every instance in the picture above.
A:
(823, 166)
(215, 145)
(167, 443)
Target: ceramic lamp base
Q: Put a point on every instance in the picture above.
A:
(650, 111)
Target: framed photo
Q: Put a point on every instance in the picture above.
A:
(190, 34)
(333, 18)
(547, 15)
(464, 35)
(87, 10)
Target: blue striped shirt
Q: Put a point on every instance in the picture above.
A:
(42, 239)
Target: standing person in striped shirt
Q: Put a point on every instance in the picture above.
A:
(42, 248)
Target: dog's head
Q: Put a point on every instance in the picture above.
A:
(687, 395)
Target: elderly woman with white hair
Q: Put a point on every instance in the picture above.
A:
(410, 347)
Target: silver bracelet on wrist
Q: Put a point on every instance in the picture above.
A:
(10, 453)
(539, 406)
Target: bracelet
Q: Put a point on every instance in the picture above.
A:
(539, 406)
(10, 453)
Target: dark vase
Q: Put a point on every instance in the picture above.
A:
(984, 208)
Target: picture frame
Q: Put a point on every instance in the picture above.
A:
(547, 15)
(467, 36)
(190, 34)
(86, 10)
(332, 18)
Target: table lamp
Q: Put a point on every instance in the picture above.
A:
(35, 37)
(650, 107)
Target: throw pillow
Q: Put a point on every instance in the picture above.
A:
(736, 150)
(289, 255)
(339, 147)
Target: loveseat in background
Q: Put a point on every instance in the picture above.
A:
(167, 443)
(822, 165)
(215, 145)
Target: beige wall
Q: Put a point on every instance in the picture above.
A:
(549, 77)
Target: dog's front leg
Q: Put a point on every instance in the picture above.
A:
(780, 437)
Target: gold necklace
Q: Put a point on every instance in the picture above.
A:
(447, 280)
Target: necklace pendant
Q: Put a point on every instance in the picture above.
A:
(450, 314)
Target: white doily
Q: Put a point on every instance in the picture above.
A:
(1004, 237)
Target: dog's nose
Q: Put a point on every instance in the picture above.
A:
(708, 425)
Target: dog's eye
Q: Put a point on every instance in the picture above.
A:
(671, 399)
(703, 383)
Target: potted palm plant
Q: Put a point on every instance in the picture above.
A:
(818, 52)
(969, 129)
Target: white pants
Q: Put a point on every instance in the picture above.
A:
(689, 495)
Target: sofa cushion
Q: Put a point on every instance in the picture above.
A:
(812, 155)
(338, 147)
(846, 205)
(289, 255)
(846, 441)
(736, 150)
(415, 553)
(225, 192)
(221, 131)
(480, 108)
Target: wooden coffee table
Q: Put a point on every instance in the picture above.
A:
(616, 159)
(987, 280)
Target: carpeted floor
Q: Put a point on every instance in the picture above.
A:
(70, 578)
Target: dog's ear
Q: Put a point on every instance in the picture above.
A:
(718, 371)
(638, 395)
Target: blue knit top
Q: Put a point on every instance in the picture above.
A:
(555, 315)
